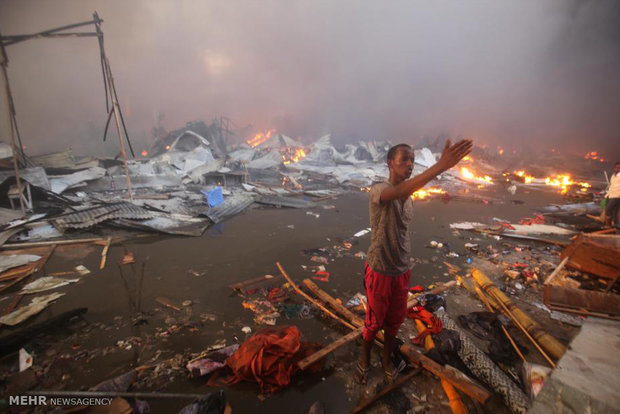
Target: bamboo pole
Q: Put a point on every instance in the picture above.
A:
(546, 341)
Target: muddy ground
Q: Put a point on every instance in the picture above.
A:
(125, 327)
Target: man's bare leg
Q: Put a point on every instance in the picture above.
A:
(386, 362)
(363, 365)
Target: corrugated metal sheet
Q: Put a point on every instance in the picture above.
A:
(280, 201)
(229, 207)
(89, 217)
(35, 176)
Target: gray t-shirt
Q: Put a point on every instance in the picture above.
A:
(388, 253)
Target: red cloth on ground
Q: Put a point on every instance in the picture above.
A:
(432, 323)
(387, 302)
(538, 219)
(268, 357)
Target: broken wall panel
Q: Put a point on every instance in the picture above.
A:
(580, 299)
(591, 255)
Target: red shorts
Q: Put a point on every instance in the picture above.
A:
(387, 302)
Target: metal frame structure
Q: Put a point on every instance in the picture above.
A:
(111, 98)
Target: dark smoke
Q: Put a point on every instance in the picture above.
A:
(533, 74)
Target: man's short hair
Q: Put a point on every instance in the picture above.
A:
(392, 152)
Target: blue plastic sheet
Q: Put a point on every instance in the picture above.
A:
(214, 197)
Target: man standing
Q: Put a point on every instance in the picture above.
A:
(387, 270)
(613, 198)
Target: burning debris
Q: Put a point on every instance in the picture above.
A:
(193, 179)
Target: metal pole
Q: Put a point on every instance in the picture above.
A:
(115, 107)
(118, 125)
(5, 78)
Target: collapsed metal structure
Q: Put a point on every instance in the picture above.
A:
(111, 98)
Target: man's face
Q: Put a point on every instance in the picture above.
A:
(401, 166)
(616, 168)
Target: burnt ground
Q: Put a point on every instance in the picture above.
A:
(126, 327)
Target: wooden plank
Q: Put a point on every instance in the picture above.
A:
(323, 352)
(250, 282)
(311, 300)
(50, 243)
(588, 256)
(557, 270)
(337, 306)
(455, 377)
(395, 385)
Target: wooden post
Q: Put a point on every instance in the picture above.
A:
(323, 352)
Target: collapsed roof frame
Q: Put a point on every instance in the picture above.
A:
(111, 97)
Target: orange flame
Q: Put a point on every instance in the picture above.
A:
(471, 176)
(526, 178)
(426, 192)
(260, 138)
(563, 181)
(298, 155)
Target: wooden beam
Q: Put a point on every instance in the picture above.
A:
(557, 270)
(50, 243)
(245, 283)
(395, 385)
(311, 300)
(455, 377)
(323, 352)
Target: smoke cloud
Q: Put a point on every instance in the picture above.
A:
(520, 74)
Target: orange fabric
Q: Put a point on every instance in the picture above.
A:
(456, 404)
(268, 357)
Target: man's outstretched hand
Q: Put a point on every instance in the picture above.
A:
(452, 154)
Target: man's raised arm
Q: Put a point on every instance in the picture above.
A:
(450, 156)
